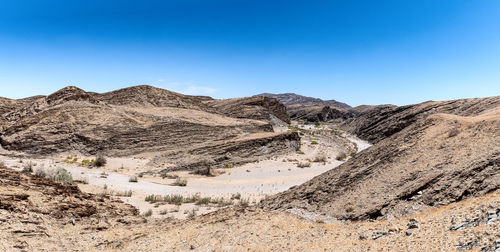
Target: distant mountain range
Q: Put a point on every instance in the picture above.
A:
(295, 99)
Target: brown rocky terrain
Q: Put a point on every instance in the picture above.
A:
(376, 123)
(257, 107)
(142, 119)
(317, 113)
(437, 160)
(295, 99)
(34, 210)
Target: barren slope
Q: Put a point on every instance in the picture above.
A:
(138, 120)
(383, 121)
(435, 161)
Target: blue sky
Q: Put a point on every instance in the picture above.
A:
(359, 52)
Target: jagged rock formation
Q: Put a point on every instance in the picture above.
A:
(257, 107)
(376, 123)
(138, 120)
(295, 99)
(421, 160)
(315, 113)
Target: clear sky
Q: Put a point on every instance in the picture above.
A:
(358, 52)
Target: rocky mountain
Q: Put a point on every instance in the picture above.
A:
(257, 107)
(144, 119)
(374, 123)
(295, 99)
(426, 155)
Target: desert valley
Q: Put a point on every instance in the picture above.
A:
(147, 169)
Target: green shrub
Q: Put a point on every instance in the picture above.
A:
(62, 175)
(228, 166)
(203, 201)
(314, 142)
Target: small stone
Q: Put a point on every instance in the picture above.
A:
(490, 221)
(413, 220)
(362, 237)
(192, 247)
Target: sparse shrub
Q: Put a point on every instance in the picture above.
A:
(86, 162)
(221, 202)
(320, 157)
(293, 128)
(123, 194)
(169, 176)
(163, 212)
(317, 124)
(62, 175)
(2, 165)
(148, 213)
(300, 152)
(180, 182)
(203, 201)
(133, 179)
(236, 196)
(304, 164)
(71, 159)
(100, 161)
(244, 202)
(314, 142)
(40, 172)
(341, 156)
(207, 171)
(174, 199)
(28, 167)
(454, 132)
(228, 165)
(153, 198)
(191, 214)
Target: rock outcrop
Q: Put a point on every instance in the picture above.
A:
(257, 107)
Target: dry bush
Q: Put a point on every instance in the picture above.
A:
(304, 164)
(341, 156)
(148, 213)
(2, 165)
(180, 182)
(320, 158)
(28, 167)
(100, 161)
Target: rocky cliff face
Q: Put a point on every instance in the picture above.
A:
(295, 99)
(257, 107)
(422, 159)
